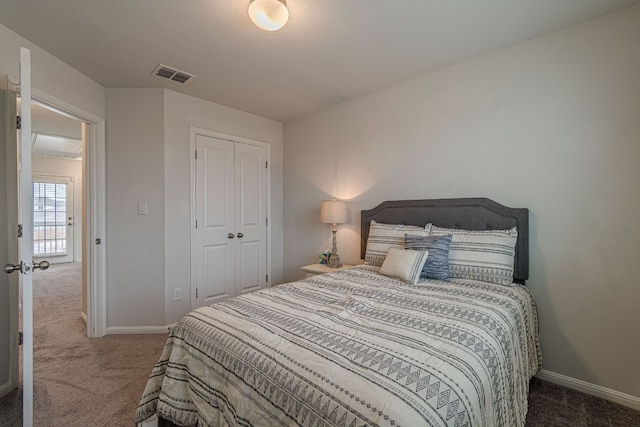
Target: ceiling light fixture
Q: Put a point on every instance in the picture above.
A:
(268, 15)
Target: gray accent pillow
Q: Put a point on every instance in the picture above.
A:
(437, 265)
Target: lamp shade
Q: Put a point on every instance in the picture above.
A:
(268, 15)
(333, 212)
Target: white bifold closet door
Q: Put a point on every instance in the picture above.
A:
(231, 205)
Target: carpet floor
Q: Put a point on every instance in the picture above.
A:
(98, 382)
(79, 381)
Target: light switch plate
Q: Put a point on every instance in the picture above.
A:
(142, 207)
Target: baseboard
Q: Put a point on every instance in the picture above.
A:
(628, 400)
(131, 330)
(5, 388)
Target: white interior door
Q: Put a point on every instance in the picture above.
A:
(53, 223)
(214, 216)
(251, 179)
(24, 242)
(25, 207)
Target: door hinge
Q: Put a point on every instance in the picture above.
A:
(98, 241)
(196, 292)
(266, 165)
(267, 278)
(196, 154)
(19, 230)
(196, 223)
(266, 221)
(20, 338)
(18, 122)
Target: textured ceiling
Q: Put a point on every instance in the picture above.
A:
(330, 50)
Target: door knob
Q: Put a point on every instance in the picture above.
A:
(240, 235)
(231, 235)
(10, 268)
(42, 265)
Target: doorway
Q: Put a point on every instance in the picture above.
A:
(57, 164)
(86, 150)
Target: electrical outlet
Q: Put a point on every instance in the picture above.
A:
(177, 294)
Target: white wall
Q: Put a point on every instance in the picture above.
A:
(148, 158)
(552, 124)
(50, 75)
(135, 172)
(181, 113)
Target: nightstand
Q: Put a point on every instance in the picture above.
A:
(315, 269)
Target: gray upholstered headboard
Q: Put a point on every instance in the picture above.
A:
(468, 214)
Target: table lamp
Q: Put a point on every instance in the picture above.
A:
(334, 212)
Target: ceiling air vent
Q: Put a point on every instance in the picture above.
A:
(172, 74)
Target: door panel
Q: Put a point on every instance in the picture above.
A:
(217, 269)
(248, 166)
(216, 168)
(251, 215)
(214, 218)
(251, 277)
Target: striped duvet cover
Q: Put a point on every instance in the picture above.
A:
(351, 348)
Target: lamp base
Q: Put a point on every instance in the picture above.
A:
(334, 260)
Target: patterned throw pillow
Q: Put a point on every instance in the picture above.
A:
(404, 264)
(485, 255)
(437, 265)
(383, 237)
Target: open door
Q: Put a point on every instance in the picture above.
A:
(24, 232)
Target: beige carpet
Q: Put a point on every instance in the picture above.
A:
(79, 381)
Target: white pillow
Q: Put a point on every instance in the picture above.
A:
(485, 255)
(383, 237)
(404, 264)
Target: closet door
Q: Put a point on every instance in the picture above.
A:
(215, 220)
(251, 179)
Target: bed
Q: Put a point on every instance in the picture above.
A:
(359, 347)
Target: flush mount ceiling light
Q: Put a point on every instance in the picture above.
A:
(269, 15)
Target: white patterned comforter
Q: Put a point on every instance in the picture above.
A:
(352, 348)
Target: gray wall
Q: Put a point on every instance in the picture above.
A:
(135, 172)
(552, 124)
